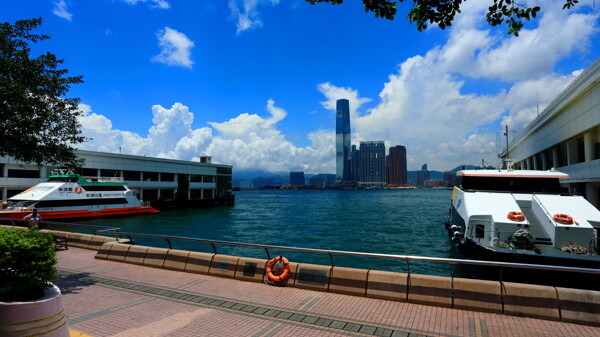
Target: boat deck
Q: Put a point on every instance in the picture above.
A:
(105, 298)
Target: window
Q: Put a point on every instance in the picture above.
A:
(479, 231)
(131, 175)
(23, 173)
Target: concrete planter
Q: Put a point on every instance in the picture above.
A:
(42, 317)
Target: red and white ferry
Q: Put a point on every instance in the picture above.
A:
(68, 196)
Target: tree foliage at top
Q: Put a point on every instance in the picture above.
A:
(442, 12)
(37, 125)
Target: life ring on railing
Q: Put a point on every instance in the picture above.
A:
(516, 216)
(563, 219)
(278, 269)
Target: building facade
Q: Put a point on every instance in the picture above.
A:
(372, 168)
(422, 176)
(566, 137)
(396, 165)
(342, 141)
(153, 179)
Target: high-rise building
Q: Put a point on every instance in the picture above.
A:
(422, 176)
(297, 179)
(372, 168)
(342, 141)
(396, 165)
(354, 163)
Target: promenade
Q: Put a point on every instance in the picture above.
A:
(105, 298)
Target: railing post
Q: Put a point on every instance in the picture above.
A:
(169, 243)
(267, 251)
(331, 259)
(214, 248)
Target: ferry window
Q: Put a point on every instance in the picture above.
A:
(195, 178)
(1, 170)
(209, 179)
(479, 231)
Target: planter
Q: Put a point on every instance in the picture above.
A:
(42, 317)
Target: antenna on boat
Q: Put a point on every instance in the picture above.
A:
(506, 157)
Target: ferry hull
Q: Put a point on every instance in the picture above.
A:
(79, 214)
(471, 250)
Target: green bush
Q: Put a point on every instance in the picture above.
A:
(27, 264)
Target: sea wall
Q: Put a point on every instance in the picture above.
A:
(536, 301)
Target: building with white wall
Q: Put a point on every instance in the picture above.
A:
(154, 179)
(566, 136)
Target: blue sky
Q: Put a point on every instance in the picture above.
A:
(253, 83)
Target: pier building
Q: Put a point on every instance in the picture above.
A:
(165, 182)
(566, 136)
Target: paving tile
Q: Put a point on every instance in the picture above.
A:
(323, 322)
(297, 317)
(366, 329)
(337, 324)
(105, 298)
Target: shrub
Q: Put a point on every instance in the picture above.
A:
(27, 264)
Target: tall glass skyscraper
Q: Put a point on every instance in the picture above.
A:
(342, 141)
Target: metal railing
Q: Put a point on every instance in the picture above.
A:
(407, 258)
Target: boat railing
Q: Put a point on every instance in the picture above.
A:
(21, 205)
(331, 253)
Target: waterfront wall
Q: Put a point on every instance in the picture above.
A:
(542, 302)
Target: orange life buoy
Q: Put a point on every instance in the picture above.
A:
(516, 216)
(563, 219)
(282, 275)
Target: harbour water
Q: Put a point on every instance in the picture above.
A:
(403, 222)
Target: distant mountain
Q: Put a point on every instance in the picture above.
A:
(250, 174)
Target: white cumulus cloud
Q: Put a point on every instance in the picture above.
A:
(61, 10)
(162, 4)
(247, 16)
(175, 48)
(247, 141)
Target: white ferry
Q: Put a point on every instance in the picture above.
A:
(68, 196)
(521, 216)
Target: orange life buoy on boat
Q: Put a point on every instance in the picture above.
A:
(563, 218)
(516, 216)
(279, 275)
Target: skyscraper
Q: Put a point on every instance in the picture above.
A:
(342, 141)
(372, 164)
(396, 163)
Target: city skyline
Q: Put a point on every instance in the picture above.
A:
(254, 84)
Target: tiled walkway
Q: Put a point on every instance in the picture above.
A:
(104, 298)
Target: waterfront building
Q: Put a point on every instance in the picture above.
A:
(372, 166)
(268, 181)
(354, 164)
(316, 182)
(449, 179)
(396, 165)
(153, 179)
(245, 184)
(342, 141)
(566, 136)
(297, 179)
(422, 176)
